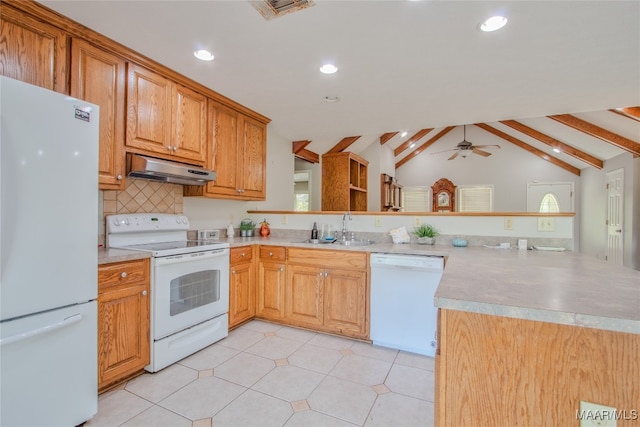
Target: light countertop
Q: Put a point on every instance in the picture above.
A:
(558, 287)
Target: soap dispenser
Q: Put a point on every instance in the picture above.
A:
(230, 231)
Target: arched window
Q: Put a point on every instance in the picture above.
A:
(549, 204)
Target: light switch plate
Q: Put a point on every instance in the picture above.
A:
(283, 219)
(416, 221)
(378, 221)
(546, 223)
(508, 223)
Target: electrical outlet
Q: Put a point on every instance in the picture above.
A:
(546, 224)
(378, 221)
(416, 221)
(592, 414)
(283, 219)
(508, 223)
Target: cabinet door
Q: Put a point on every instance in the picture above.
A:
(223, 155)
(99, 77)
(149, 112)
(304, 297)
(123, 333)
(241, 293)
(271, 287)
(32, 51)
(253, 159)
(345, 302)
(189, 124)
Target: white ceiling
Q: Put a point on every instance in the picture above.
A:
(403, 65)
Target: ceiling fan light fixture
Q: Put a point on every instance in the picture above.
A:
(331, 99)
(465, 153)
(494, 23)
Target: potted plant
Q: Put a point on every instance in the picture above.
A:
(426, 234)
(246, 228)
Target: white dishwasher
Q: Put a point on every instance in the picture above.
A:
(403, 315)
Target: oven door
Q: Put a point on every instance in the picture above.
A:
(188, 289)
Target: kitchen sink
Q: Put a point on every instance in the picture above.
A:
(318, 241)
(357, 242)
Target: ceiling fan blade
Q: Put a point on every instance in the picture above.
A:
(454, 155)
(444, 151)
(486, 146)
(482, 153)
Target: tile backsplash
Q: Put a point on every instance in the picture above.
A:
(144, 196)
(140, 195)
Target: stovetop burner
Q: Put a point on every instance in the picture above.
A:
(160, 234)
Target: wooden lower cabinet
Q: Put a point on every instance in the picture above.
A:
(242, 280)
(123, 320)
(499, 371)
(335, 299)
(271, 283)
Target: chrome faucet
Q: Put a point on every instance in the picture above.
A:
(344, 224)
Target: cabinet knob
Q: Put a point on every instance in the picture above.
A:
(281, 268)
(175, 148)
(169, 147)
(326, 273)
(144, 293)
(242, 253)
(233, 272)
(123, 274)
(119, 177)
(270, 253)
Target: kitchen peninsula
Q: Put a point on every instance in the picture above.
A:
(525, 335)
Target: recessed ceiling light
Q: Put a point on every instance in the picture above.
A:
(556, 150)
(328, 69)
(494, 23)
(403, 134)
(412, 145)
(331, 99)
(203, 55)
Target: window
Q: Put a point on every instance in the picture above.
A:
(301, 202)
(475, 198)
(416, 199)
(549, 204)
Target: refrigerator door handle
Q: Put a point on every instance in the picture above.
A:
(42, 330)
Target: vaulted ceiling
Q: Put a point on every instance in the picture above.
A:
(416, 66)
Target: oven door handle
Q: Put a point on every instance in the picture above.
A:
(195, 256)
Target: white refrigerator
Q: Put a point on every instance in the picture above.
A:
(48, 257)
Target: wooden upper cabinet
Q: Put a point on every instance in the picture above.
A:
(237, 153)
(32, 51)
(148, 111)
(344, 182)
(253, 154)
(189, 123)
(100, 77)
(165, 119)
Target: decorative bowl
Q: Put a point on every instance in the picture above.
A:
(459, 243)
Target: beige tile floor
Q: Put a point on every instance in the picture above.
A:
(265, 374)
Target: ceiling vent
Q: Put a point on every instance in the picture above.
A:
(270, 9)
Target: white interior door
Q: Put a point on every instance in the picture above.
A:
(561, 191)
(615, 216)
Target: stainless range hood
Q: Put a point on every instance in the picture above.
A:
(167, 171)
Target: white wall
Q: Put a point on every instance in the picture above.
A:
(508, 169)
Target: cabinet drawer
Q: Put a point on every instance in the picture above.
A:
(328, 258)
(241, 254)
(273, 253)
(122, 273)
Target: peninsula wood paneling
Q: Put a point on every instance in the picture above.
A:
(497, 371)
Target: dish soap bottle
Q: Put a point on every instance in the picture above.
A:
(314, 232)
(230, 230)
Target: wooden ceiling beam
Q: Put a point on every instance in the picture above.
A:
(308, 156)
(300, 145)
(552, 142)
(597, 132)
(343, 144)
(386, 137)
(529, 148)
(629, 112)
(424, 146)
(417, 136)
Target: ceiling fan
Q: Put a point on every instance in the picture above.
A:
(464, 148)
